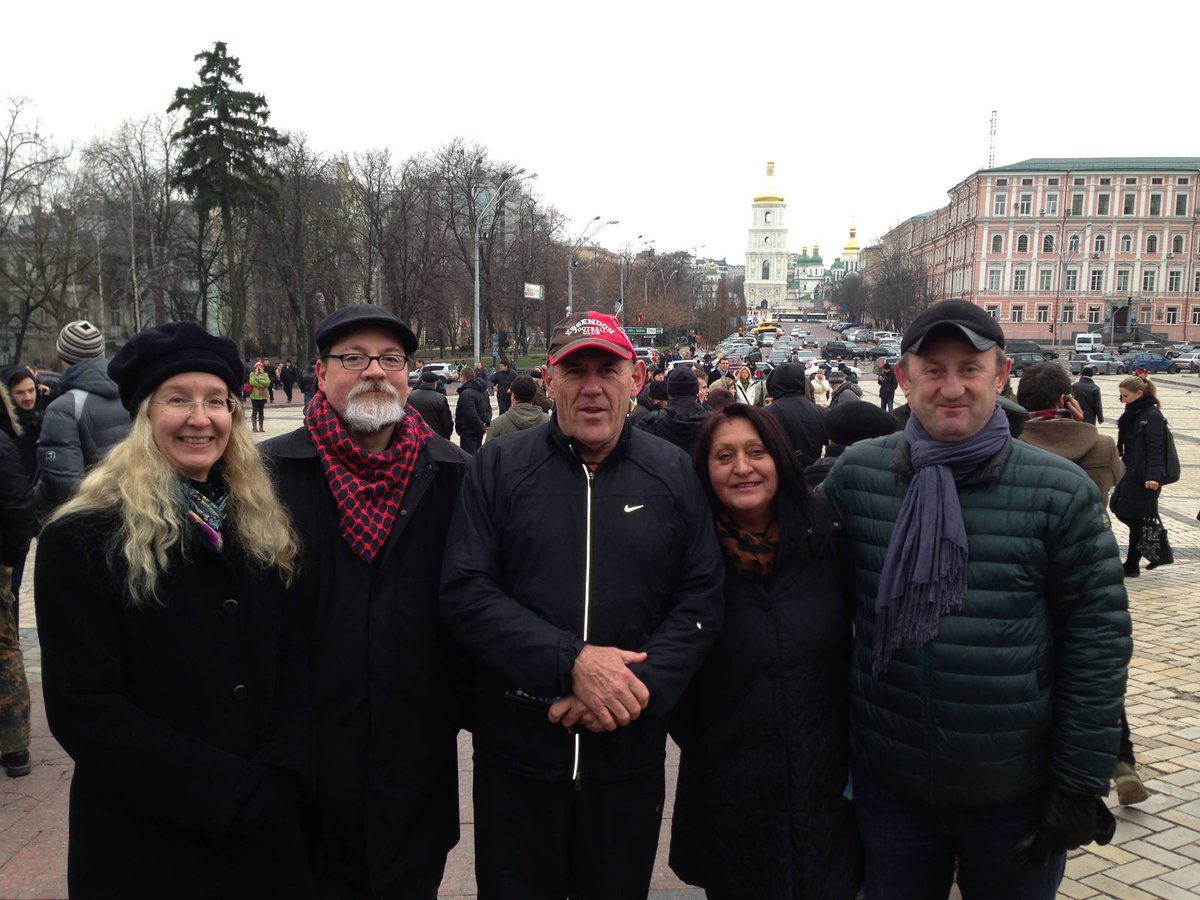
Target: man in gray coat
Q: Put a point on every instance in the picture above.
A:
(82, 423)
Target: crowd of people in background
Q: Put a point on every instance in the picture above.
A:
(890, 641)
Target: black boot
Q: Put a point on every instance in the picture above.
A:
(1131, 568)
(16, 763)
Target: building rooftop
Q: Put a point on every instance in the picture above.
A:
(1102, 164)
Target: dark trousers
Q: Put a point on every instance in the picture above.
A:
(1125, 751)
(545, 840)
(911, 849)
(503, 400)
(470, 443)
(256, 412)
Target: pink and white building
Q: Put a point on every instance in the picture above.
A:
(1058, 247)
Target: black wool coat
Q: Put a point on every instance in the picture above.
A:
(759, 805)
(388, 685)
(171, 711)
(434, 409)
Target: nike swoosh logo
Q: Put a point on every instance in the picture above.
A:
(629, 508)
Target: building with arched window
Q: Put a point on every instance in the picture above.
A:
(1058, 247)
(766, 254)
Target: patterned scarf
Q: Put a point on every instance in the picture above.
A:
(207, 503)
(367, 487)
(751, 555)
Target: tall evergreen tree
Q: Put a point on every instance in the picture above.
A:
(223, 165)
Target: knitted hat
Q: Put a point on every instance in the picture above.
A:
(79, 340)
(682, 382)
(658, 390)
(850, 422)
(156, 354)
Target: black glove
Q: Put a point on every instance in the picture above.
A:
(1066, 821)
(266, 794)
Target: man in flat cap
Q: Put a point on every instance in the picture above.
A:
(585, 581)
(371, 489)
(992, 634)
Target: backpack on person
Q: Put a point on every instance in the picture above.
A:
(1171, 470)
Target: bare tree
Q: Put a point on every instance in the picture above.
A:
(26, 160)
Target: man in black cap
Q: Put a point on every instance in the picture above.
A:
(992, 634)
(432, 404)
(585, 581)
(371, 491)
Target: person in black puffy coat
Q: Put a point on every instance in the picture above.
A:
(474, 411)
(760, 805)
(1141, 441)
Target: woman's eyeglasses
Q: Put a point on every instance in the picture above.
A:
(184, 406)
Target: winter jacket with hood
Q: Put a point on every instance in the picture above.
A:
(73, 438)
(802, 419)
(519, 417)
(474, 411)
(24, 426)
(679, 422)
(548, 554)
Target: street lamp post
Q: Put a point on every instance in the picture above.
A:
(583, 236)
(515, 176)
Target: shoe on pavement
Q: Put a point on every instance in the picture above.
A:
(1132, 570)
(1130, 789)
(16, 763)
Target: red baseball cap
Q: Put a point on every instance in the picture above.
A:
(588, 329)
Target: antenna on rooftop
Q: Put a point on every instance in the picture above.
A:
(992, 143)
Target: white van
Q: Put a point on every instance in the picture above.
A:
(1089, 343)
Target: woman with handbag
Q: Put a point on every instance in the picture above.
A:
(1141, 441)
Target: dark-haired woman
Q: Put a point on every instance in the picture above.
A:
(760, 807)
(1141, 441)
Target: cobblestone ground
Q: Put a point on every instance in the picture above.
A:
(1156, 852)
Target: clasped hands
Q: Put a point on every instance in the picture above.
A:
(604, 694)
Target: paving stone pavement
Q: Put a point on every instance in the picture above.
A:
(1156, 852)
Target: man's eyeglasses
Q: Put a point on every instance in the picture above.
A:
(360, 362)
(180, 405)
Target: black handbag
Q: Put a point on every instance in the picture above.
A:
(1154, 544)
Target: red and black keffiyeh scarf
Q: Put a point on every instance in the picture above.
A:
(368, 487)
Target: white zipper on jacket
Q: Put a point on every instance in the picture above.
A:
(587, 599)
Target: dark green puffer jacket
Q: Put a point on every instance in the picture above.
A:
(1022, 687)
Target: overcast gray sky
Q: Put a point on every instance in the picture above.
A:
(659, 114)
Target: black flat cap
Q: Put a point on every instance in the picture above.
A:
(156, 354)
(363, 315)
(965, 318)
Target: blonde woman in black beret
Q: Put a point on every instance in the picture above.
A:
(170, 671)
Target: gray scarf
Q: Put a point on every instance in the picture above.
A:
(925, 571)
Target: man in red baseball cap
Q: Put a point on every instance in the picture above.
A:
(586, 618)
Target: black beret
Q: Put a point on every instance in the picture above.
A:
(156, 354)
(969, 320)
(363, 315)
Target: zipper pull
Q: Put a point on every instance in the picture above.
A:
(577, 782)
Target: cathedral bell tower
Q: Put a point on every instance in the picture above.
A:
(766, 253)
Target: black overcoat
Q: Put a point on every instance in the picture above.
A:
(165, 708)
(387, 683)
(759, 805)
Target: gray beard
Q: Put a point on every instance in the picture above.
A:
(383, 410)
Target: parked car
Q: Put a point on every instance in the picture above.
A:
(1150, 361)
(1189, 360)
(778, 357)
(886, 361)
(1022, 361)
(648, 355)
(834, 349)
(447, 371)
(762, 370)
(1103, 363)
(693, 364)
(1019, 346)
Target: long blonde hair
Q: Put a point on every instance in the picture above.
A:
(139, 482)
